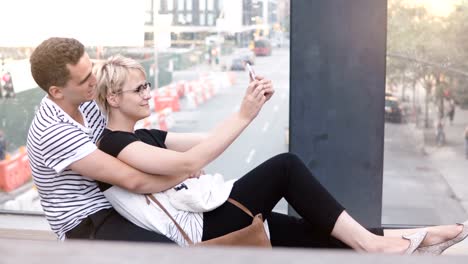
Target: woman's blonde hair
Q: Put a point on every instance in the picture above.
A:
(111, 76)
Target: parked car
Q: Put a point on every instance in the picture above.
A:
(246, 55)
(262, 47)
(393, 109)
(238, 64)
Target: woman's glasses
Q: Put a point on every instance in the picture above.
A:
(142, 90)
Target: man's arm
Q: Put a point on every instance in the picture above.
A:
(100, 166)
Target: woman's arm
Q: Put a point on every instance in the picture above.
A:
(183, 141)
(156, 160)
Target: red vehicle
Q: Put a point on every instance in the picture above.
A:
(262, 48)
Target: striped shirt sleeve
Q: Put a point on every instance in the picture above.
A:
(64, 144)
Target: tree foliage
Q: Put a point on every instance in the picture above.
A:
(428, 49)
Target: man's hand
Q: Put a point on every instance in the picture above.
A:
(197, 174)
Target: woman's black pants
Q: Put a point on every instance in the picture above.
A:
(283, 176)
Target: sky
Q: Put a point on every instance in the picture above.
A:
(94, 22)
(437, 7)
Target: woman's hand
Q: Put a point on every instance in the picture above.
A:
(259, 91)
(253, 100)
(268, 87)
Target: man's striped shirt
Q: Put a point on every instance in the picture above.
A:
(54, 142)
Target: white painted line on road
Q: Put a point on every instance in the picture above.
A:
(265, 127)
(251, 154)
(275, 108)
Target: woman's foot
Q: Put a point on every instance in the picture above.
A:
(439, 234)
(436, 248)
(398, 245)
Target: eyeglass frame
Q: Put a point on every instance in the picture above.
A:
(142, 90)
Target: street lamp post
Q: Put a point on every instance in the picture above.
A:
(156, 4)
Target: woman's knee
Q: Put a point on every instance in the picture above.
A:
(289, 159)
(287, 156)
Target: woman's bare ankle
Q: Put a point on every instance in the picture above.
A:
(388, 245)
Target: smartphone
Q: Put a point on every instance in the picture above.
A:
(251, 71)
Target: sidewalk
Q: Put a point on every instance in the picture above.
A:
(440, 182)
(450, 158)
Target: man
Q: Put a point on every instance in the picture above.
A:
(64, 159)
(466, 142)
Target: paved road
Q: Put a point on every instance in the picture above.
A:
(265, 137)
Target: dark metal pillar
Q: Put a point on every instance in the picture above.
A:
(337, 98)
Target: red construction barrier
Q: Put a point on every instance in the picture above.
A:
(165, 97)
(180, 88)
(15, 171)
(162, 122)
(231, 77)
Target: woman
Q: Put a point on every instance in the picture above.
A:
(123, 94)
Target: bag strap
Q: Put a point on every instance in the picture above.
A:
(240, 206)
(186, 237)
(152, 198)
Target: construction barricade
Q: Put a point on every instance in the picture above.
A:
(14, 171)
(161, 120)
(166, 97)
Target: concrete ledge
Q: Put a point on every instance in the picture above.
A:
(71, 252)
(25, 234)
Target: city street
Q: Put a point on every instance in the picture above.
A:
(265, 137)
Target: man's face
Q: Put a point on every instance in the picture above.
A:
(81, 86)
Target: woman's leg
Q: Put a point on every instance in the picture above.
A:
(286, 176)
(261, 189)
(290, 231)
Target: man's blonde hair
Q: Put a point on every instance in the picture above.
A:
(111, 76)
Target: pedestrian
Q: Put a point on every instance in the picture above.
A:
(2, 145)
(440, 134)
(451, 111)
(123, 93)
(1, 89)
(466, 142)
(8, 85)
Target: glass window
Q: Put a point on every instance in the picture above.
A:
(170, 5)
(221, 4)
(210, 5)
(180, 5)
(181, 18)
(202, 19)
(209, 19)
(189, 5)
(188, 18)
(426, 112)
(202, 4)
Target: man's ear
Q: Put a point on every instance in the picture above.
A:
(56, 92)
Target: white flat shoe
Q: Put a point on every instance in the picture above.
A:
(415, 240)
(439, 248)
